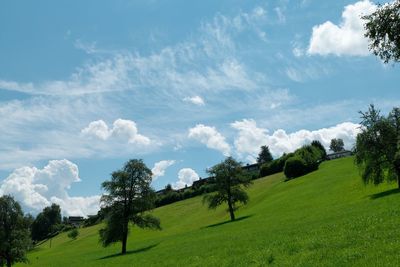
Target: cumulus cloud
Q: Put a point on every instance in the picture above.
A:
(186, 177)
(159, 168)
(347, 38)
(210, 137)
(196, 100)
(125, 130)
(251, 137)
(37, 188)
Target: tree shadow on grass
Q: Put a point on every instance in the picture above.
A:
(226, 222)
(385, 193)
(139, 250)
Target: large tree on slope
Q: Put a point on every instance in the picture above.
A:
(229, 180)
(129, 197)
(377, 147)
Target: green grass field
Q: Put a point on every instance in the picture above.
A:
(326, 218)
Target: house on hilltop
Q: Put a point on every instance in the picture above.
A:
(75, 220)
(340, 154)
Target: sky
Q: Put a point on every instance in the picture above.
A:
(87, 85)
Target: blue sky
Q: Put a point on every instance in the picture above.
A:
(85, 86)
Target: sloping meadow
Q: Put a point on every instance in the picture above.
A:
(326, 218)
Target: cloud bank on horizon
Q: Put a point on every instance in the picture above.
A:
(38, 188)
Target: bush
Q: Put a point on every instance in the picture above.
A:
(92, 220)
(318, 145)
(274, 166)
(295, 167)
(311, 155)
(73, 234)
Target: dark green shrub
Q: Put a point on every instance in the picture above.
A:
(295, 167)
(73, 234)
(318, 145)
(274, 166)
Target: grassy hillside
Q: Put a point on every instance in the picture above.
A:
(326, 218)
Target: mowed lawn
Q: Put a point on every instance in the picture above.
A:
(326, 218)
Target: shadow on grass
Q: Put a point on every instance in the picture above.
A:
(226, 222)
(385, 193)
(139, 250)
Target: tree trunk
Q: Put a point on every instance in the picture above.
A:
(398, 181)
(124, 237)
(8, 262)
(231, 210)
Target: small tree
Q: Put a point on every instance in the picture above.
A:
(129, 197)
(73, 234)
(46, 222)
(264, 156)
(377, 151)
(318, 145)
(229, 180)
(14, 232)
(383, 30)
(336, 145)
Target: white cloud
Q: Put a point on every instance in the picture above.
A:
(302, 73)
(93, 78)
(97, 128)
(347, 38)
(210, 137)
(197, 100)
(159, 168)
(251, 137)
(125, 130)
(186, 177)
(89, 48)
(45, 122)
(280, 14)
(37, 188)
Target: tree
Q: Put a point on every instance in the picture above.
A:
(264, 156)
(46, 222)
(377, 150)
(336, 145)
(229, 180)
(73, 234)
(129, 197)
(14, 232)
(383, 29)
(318, 145)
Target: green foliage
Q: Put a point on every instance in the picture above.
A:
(306, 159)
(46, 223)
(326, 218)
(318, 145)
(229, 179)
(264, 156)
(336, 145)
(73, 234)
(295, 167)
(377, 146)
(383, 30)
(129, 197)
(92, 220)
(274, 166)
(14, 232)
